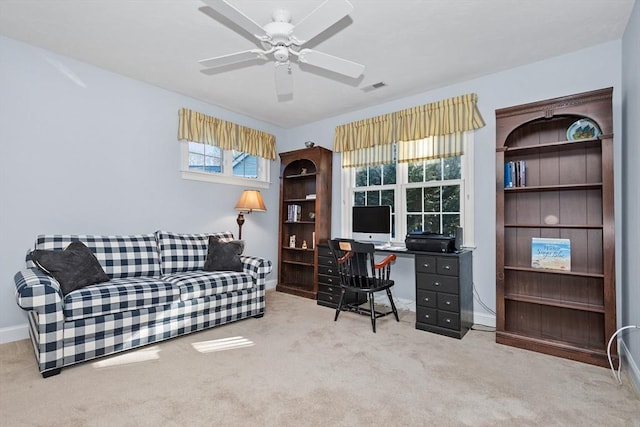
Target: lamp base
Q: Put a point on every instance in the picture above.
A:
(240, 221)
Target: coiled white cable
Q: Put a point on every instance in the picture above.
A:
(617, 375)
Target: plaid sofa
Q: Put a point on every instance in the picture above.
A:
(157, 290)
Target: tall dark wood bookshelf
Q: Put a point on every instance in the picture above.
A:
(568, 195)
(303, 173)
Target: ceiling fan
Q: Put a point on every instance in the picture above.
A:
(282, 41)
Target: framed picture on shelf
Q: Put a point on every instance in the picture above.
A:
(551, 254)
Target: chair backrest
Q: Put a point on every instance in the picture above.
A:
(355, 262)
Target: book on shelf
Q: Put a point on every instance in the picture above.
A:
(294, 213)
(551, 254)
(311, 196)
(515, 174)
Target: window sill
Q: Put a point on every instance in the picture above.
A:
(221, 179)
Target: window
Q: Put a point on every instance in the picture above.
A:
(204, 162)
(208, 153)
(375, 186)
(431, 195)
(204, 158)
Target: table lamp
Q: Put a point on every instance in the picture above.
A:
(250, 200)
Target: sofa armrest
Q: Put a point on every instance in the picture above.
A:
(40, 295)
(258, 268)
(37, 291)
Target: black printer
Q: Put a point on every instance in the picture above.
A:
(430, 242)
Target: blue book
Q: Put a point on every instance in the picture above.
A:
(508, 175)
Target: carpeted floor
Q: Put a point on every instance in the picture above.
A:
(303, 369)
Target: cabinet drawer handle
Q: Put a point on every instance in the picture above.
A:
(426, 300)
(447, 267)
(448, 302)
(447, 320)
(426, 316)
(436, 283)
(426, 266)
(330, 280)
(330, 289)
(330, 270)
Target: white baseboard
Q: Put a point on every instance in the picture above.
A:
(630, 366)
(401, 303)
(271, 284)
(484, 319)
(14, 333)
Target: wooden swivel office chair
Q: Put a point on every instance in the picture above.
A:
(359, 273)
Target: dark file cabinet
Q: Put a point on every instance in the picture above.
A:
(329, 281)
(444, 293)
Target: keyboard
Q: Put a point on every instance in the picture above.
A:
(387, 247)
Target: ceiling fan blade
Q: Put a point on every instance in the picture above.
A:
(331, 63)
(237, 17)
(324, 16)
(233, 58)
(284, 79)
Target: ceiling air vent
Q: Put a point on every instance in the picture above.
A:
(374, 86)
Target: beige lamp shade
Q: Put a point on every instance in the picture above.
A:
(251, 200)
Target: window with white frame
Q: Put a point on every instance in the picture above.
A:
(204, 162)
(217, 150)
(430, 195)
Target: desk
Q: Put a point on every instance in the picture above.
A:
(443, 286)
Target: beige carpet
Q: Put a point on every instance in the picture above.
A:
(306, 370)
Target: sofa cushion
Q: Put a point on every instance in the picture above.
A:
(118, 295)
(74, 267)
(224, 256)
(196, 284)
(119, 256)
(185, 252)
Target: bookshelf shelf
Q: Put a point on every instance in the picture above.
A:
(596, 308)
(559, 187)
(549, 271)
(553, 226)
(553, 146)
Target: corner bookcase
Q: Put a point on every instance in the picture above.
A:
(305, 212)
(567, 194)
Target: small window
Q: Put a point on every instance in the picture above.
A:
(203, 162)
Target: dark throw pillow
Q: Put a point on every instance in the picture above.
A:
(224, 256)
(74, 268)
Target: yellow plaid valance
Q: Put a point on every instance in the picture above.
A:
(453, 115)
(198, 127)
(433, 124)
(364, 133)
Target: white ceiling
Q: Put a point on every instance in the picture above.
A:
(411, 45)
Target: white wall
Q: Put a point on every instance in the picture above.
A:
(98, 154)
(630, 235)
(559, 76)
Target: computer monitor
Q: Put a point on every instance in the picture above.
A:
(371, 223)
